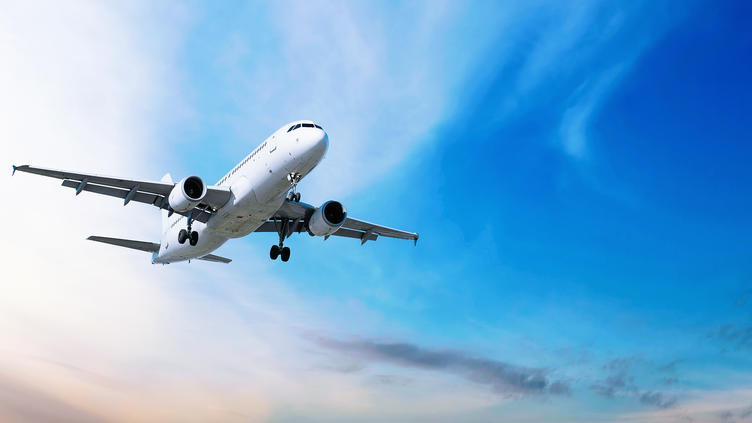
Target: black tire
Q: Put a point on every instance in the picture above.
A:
(274, 252)
(182, 236)
(194, 238)
(285, 254)
(297, 200)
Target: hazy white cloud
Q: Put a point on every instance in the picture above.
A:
(378, 79)
(575, 122)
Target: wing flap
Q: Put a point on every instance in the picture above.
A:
(364, 226)
(362, 236)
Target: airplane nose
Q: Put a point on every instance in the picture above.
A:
(323, 141)
(318, 141)
(312, 143)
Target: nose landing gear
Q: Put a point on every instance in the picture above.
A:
(294, 178)
(189, 234)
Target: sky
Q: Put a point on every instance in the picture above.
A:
(577, 171)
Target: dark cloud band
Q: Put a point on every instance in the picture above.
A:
(503, 378)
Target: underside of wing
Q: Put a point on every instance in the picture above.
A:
(148, 192)
(293, 217)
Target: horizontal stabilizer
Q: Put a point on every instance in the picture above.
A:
(149, 247)
(216, 259)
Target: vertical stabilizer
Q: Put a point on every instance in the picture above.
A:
(165, 220)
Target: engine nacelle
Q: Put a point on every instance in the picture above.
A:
(187, 194)
(327, 218)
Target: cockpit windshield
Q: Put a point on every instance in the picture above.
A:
(304, 125)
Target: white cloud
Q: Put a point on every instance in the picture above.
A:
(573, 130)
(379, 82)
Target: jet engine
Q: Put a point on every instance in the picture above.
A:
(327, 218)
(187, 194)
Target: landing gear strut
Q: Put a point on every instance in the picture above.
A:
(294, 178)
(280, 250)
(189, 234)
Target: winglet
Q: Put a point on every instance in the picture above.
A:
(415, 240)
(14, 170)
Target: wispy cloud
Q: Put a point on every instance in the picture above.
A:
(576, 120)
(699, 406)
(734, 335)
(657, 399)
(503, 378)
(620, 381)
(21, 403)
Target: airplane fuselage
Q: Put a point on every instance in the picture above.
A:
(258, 185)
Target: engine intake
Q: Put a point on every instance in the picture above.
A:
(327, 219)
(187, 194)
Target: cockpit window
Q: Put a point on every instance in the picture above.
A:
(304, 125)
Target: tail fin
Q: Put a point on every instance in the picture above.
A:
(165, 219)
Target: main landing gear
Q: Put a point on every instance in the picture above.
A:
(280, 250)
(189, 234)
(284, 228)
(294, 178)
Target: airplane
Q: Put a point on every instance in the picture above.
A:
(258, 195)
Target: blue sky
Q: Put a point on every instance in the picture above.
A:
(578, 173)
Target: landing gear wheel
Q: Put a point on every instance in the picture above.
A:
(182, 236)
(274, 252)
(297, 197)
(285, 253)
(194, 238)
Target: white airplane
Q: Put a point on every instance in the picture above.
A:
(257, 195)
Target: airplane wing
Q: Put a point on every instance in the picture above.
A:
(297, 213)
(149, 192)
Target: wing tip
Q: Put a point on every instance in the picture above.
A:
(22, 168)
(415, 239)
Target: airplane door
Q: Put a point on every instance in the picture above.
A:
(272, 146)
